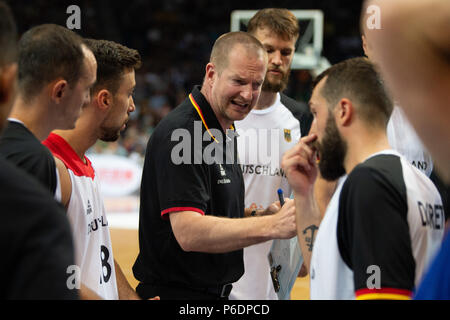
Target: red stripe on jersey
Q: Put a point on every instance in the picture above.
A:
(63, 151)
(176, 209)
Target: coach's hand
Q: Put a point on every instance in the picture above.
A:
(283, 221)
(271, 209)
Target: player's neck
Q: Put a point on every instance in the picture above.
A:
(80, 139)
(266, 99)
(35, 119)
(362, 146)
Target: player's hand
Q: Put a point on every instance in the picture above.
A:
(299, 164)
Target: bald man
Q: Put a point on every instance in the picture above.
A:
(191, 228)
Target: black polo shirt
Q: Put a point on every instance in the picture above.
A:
(187, 170)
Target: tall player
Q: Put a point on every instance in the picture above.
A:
(104, 118)
(278, 31)
(385, 221)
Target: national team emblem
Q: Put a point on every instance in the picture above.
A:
(287, 135)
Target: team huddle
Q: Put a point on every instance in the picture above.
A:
(360, 184)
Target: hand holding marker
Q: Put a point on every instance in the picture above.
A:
(281, 197)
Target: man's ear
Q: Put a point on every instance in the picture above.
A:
(344, 112)
(364, 44)
(104, 99)
(211, 71)
(8, 81)
(58, 89)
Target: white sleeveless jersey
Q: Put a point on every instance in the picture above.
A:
(86, 213)
(330, 278)
(386, 216)
(264, 136)
(403, 138)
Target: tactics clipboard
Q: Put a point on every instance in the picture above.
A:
(285, 260)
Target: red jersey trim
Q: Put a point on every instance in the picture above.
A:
(383, 293)
(175, 209)
(63, 151)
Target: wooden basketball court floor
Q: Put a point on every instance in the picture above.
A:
(126, 247)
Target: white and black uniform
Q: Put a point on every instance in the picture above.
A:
(403, 138)
(87, 216)
(386, 226)
(264, 136)
(330, 278)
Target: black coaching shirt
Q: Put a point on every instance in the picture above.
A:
(190, 165)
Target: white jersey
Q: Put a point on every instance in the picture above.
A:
(403, 138)
(394, 224)
(330, 278)
(264, 136)
(86, 213)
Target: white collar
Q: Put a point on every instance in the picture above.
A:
(268, 109)
(16, 120)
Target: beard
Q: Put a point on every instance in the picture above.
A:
(109, 134)
(276, 85)
(332, 150)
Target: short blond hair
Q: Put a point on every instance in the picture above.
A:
(225, 43)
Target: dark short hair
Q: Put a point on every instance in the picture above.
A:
(357, 80)
(226, 42)
(48, 52)
(8, 36)
(113, 59)
(281, 21)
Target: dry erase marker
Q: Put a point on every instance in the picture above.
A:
(281, 197)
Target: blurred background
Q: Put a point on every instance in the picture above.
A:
(174, 38)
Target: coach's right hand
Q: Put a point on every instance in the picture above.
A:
(284, 221)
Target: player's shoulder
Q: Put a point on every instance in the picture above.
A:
(299, 110)
(15, 134)
(383, 170)
(393, 167)
(382, 161)
(23, 188)
(296, 107)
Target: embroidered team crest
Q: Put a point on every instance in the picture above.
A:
(287, 135)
